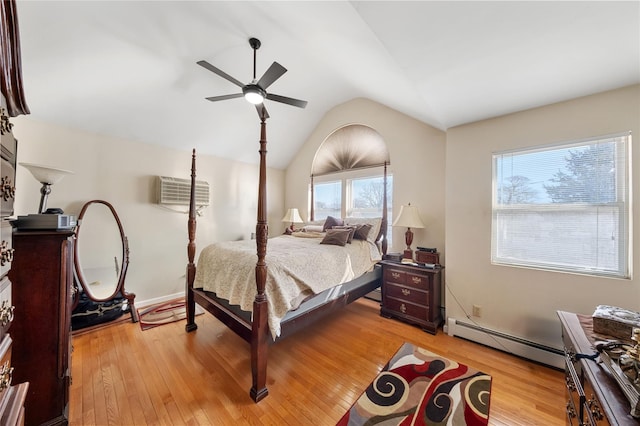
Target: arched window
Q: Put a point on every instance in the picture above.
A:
(347, 175)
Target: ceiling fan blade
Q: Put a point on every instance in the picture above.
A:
(262, 111)
(286, 100)
(224, 97)
(221, 73)
(274, 72)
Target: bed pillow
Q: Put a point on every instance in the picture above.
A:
(336, 237)
(331, 222)
(352, 232)
(312, 228)
(362, 231)
(375, 223)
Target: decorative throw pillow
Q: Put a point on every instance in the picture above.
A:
(362, 231)
(350, 228)
(331, 222)
(336, 237)
(375, 223)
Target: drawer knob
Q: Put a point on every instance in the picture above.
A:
(595, 409)
(8, 190)
(403, 308)
(6, 313)
(416, 280)
(6, 374)
(6, 253)
(571, 412)
(406, 292)
(395, 275)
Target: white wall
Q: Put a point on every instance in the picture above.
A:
(518, 301)
(417, 154)
(123, 173)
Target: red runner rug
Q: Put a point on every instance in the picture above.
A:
(164, 313)
(418, 387)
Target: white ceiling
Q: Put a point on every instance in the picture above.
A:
(128, 68)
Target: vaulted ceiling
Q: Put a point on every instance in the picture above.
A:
(128, 68)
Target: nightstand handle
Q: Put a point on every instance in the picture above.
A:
(403, 308)
(416, 280)
(395, 275)
(406, 292)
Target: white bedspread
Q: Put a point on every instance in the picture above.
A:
(295, 266)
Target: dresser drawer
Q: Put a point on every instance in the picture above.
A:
(407, 308)
(407, 278)
(409, 294)
(6, 308)
(6, 371)
(6, 247)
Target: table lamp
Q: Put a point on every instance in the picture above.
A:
(47, 176)
(292, 216)
(409, 217)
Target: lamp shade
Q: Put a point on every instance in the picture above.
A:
(45, 174)
(292, 216)
(409, 217)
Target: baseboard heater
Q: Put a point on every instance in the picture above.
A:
(505, 342)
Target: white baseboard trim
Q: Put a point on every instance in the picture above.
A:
(155, 300)
(504, 342)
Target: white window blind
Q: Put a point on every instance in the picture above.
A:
(564, 207)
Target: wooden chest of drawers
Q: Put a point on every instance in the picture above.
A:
(412, 294)
(593, 396)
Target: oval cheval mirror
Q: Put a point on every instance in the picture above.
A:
(101, 261)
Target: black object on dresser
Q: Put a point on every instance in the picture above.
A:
(42, 278)
(412, 294)
(593, 395)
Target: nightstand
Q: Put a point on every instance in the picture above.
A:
(412, 294)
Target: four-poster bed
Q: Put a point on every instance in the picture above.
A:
(254, 327)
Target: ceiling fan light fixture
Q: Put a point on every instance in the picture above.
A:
(254, 94)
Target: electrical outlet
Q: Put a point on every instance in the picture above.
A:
(477, 310)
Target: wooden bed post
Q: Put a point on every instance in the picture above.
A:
(312, 214)
(191, 251)
(383, 226)
(259, 326)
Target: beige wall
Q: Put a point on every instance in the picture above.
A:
(123, 173)
(416, 152)
(518, 301)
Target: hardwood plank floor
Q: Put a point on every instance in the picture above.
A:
(166, 376)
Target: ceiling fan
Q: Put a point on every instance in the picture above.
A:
(256, 91)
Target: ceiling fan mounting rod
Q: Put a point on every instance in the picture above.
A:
(255, 45)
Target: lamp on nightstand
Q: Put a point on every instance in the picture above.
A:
(292, 216)
(409, 217)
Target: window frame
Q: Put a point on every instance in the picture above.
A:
(622, 204)
(346, 178)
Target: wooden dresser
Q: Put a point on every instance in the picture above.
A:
(42, 277)
(412, 294)
(12, 397)
(593, 396)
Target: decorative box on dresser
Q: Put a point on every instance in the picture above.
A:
(42, 277)
(593, 395)
(412, 294)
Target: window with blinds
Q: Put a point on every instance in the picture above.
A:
(564, 207)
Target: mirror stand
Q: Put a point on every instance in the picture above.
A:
(100, 296)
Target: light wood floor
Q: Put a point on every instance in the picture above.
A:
(165, 376)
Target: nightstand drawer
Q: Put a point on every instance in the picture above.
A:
(407, 308)
(413, 295)
(399, 276)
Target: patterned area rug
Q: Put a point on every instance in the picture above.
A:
(418, 387)
(164, 313)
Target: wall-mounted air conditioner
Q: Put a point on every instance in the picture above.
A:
(176, 191)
